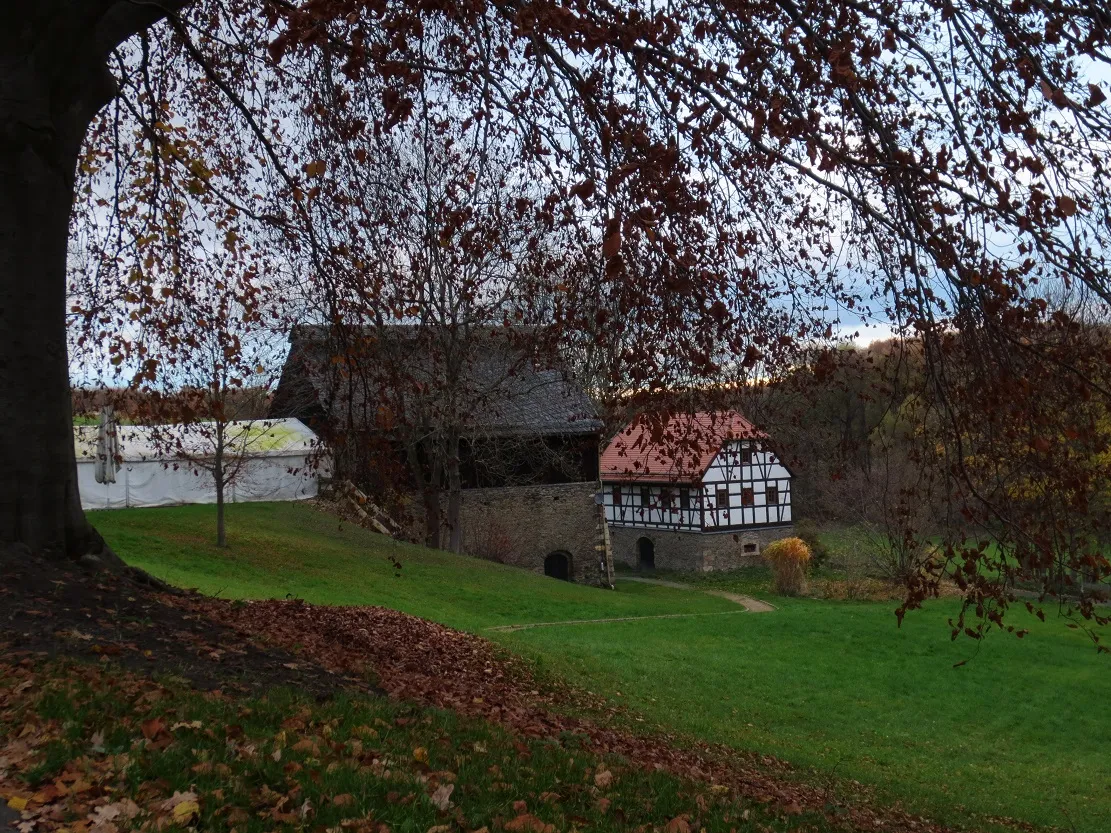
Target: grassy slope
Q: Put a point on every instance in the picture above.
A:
(833, 685)
(278, 549)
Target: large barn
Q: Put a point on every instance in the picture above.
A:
(701, 492)
(528, 436)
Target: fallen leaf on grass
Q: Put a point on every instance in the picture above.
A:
(679, 824)
(306, 745)
(125, 809)
(103, 816)
(151, 728)
(237, 815)
(441, 798)
(49, 793)
(183, 807)
(186, 811)
(603, 779)
(528, 823)
(343, 800)
(440, 828)
(18, 804)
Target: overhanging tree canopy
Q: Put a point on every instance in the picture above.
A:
(732, 174)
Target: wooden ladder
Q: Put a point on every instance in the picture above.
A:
(366, 509)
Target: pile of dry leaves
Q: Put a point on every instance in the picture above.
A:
(415, 659)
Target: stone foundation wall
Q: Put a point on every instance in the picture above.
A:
(695, 551)
(523, 525)
(740, 548)
(673, 550)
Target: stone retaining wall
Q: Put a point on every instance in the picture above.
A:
(523, 525)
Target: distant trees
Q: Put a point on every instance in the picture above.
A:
(997, 477)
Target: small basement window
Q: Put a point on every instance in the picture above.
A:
(750, 548)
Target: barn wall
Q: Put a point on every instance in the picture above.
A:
(694, 551)
(521, 525)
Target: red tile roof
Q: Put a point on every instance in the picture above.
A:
(676, 451)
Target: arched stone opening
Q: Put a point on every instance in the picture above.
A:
(646, 554)
(558, 565)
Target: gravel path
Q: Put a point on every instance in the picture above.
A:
(749, 605)
(747, 602)
(606, 621)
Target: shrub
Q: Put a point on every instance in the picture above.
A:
(807, 530)
(788, 558)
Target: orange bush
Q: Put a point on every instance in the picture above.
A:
(788, 558)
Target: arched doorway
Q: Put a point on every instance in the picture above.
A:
(558, 565)
(646, 554)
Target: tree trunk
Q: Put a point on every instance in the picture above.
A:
(53, 80)
(454, 497)
(218, 476)
(425, 469)
(39, 502)
(433, 512)
(221, 534)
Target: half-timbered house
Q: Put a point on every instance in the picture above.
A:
(700, 491)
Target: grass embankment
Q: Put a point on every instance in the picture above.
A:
(87, 747)
(832, 685)
(288, 549)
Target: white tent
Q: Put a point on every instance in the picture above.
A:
(281, 463)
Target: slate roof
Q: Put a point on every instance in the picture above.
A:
(504, 391)
(678, 450)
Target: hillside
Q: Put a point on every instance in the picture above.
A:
(832, 686)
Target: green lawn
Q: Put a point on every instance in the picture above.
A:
(1021, 730)
(280, 548)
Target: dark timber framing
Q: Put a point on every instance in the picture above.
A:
(625, 504)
